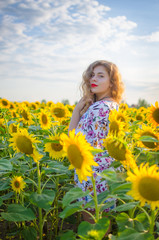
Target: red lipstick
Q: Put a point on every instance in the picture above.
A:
(93, 85)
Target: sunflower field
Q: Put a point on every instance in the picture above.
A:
(38, 196)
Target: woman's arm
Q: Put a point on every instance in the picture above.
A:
(76, 113)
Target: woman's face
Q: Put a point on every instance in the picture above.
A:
(100, 82)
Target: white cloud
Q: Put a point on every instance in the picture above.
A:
(54, 41)
(154, 37)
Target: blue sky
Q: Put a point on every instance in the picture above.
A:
(45, 45)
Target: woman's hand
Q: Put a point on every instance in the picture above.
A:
(82, 103)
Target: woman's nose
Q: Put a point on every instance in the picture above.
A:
(94, 78)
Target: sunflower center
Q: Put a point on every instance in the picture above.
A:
(114, 127)
(56, 147)
(59, 112)
(44, 119)
(5, 103)
(155, 115)
(74, 156)
(117, 150)
(14, 115)
(148, 188)
(16, 184)
(121, 118)
(139, 117)
(24, 145)
(149, 144)
(14, 128)
(33, 106)
(25, 115)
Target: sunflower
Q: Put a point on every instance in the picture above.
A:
(14, 114)
(140, 117)
(49, 103)
(59, 112)
(142, 110)
(123, 106)
(147, 131)
(33, 106)
(116, 127)
(117, 148)
(54, 147)
(17, 184)
(26, 103)
(23, 142)
(45, 119)
(2, 125)
(12, 106)
(70, 108)
(26, 117)
(13, 128)
(65, 123)
(79, 154)
(145, 182)
(4, 103)
(123, 117)
(154, 114)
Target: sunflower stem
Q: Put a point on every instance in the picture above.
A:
(152, 222)
(8, 135)
(31, 173)
(95, 198)
(145, 213)
(92, 216)
(40, 210)
(16, 198)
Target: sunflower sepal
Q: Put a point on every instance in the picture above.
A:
(96, 151)
(148, 138)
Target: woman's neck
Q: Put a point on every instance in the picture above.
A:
(104, 98)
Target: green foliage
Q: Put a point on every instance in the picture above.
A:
(50, 199)
(18, 213)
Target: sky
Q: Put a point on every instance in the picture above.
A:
(46, 45)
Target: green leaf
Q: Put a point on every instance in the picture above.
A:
(56, 168)
(29, 233)
(109, 175)
(115, 164)
(17, 156)
(125, 187)
(1, 201)
(148, 139)
(73, 195)
(5, 184)
(96, 150)
(18, 213)
(141, 222)
(46, 140)
(130, 233)
(68, 235)
(126, 206)
(124, 220)
(5, 165)
(43, 200)
(71, 209)
(7, 196)
(100, 228)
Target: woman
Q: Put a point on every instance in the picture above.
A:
(102, 91)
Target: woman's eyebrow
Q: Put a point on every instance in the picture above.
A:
(100, 73)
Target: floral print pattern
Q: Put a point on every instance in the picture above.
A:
(94, 125)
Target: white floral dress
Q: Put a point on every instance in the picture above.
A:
(94, 125)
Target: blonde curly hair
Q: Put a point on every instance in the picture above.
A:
(117, 86)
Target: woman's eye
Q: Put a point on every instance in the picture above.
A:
(101, 76)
